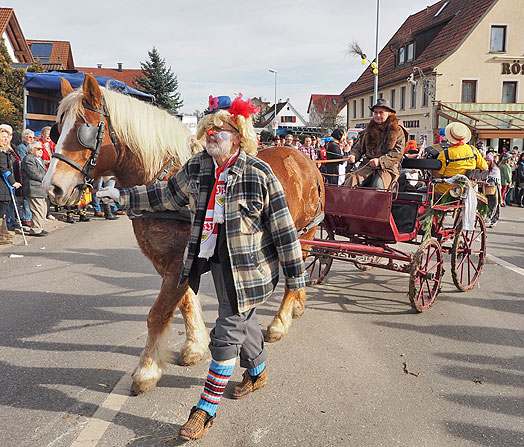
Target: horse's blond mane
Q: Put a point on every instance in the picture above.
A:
(150, 133)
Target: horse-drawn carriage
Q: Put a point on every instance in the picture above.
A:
(366, 226)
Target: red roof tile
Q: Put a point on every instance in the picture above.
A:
(9, 24)
(5, 15)
(458, 18)
(127, 75)
(324, 103)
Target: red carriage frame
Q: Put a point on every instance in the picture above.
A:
(362, 225)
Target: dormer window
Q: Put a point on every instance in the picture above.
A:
(406, 53)
(401, 55)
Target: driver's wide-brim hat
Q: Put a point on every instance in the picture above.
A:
(458, 133)
(384, 103)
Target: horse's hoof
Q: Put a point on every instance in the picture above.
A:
(272, 337)
(142, 387)
(189, 358)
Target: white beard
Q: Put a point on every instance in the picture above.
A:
(220, 149)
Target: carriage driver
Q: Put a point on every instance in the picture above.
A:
(380, 145)
(241, 227)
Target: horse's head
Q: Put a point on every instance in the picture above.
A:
(85, 148)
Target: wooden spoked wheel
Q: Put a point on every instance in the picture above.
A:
(468, 254)
(426, 275)
(317, 263)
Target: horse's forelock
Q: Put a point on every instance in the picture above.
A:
(71, 105)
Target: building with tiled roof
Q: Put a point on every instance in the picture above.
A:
(455, 60)
(288, 119)
(52, 52)
(14, 37)
(127, 75)
(327, 109)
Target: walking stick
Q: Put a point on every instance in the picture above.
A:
(11, 189)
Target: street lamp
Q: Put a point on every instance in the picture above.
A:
(375, 90)
(275, 72)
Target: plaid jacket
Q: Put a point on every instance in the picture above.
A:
(259, 227)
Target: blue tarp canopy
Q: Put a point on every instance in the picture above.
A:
(47, 92)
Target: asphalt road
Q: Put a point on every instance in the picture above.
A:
(73, 326)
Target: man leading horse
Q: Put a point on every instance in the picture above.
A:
(241, 228)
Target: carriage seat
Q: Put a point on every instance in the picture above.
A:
(421, 163)
(419, 197)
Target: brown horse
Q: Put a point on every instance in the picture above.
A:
(147, 142)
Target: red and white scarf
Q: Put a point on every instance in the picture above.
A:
(215, 209)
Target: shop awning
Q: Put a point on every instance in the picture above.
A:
(486, 120)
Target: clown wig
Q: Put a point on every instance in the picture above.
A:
(248, 141)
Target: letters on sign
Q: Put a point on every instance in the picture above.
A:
(514, 68)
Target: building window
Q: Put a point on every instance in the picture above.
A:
(362, 107)
(381, 95)
(41, 50)
(288, 119)
(402, 55)
(370, 105)
(402, 98)
(509, 92)
(406, 53)
(392, 97)
(354, 109)
(425, 96)
(469, 91)
(410, 53)
(414, 96)
(498, 39)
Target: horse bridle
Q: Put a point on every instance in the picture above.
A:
(91, 137)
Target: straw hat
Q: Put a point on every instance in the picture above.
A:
(458, 133)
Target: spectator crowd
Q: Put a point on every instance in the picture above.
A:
(23, 203)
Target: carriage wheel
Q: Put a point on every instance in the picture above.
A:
(426, 275)
(317, 264)
(468, 254)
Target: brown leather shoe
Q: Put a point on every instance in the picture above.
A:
(196, 426)
(248, 385)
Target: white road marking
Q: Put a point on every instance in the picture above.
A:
(103, 417)
(506, 264)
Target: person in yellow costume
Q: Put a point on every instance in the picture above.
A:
(460, 157)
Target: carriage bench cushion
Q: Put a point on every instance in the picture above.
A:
(419, 197)
(421, 163)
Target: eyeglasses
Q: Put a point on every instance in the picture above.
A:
(216, 131)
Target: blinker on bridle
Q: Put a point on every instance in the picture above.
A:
(90, 137)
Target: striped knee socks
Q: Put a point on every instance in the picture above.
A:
(217, 378)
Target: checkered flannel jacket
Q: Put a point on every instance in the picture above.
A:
(259, 228)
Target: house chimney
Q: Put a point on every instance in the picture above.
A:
(120, 67)
(98, 65)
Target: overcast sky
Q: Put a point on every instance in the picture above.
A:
(226, 47)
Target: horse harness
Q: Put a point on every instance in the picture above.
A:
(91, 137)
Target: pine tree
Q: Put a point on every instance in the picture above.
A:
(159, 81)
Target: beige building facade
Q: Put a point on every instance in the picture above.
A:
(471, 70)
